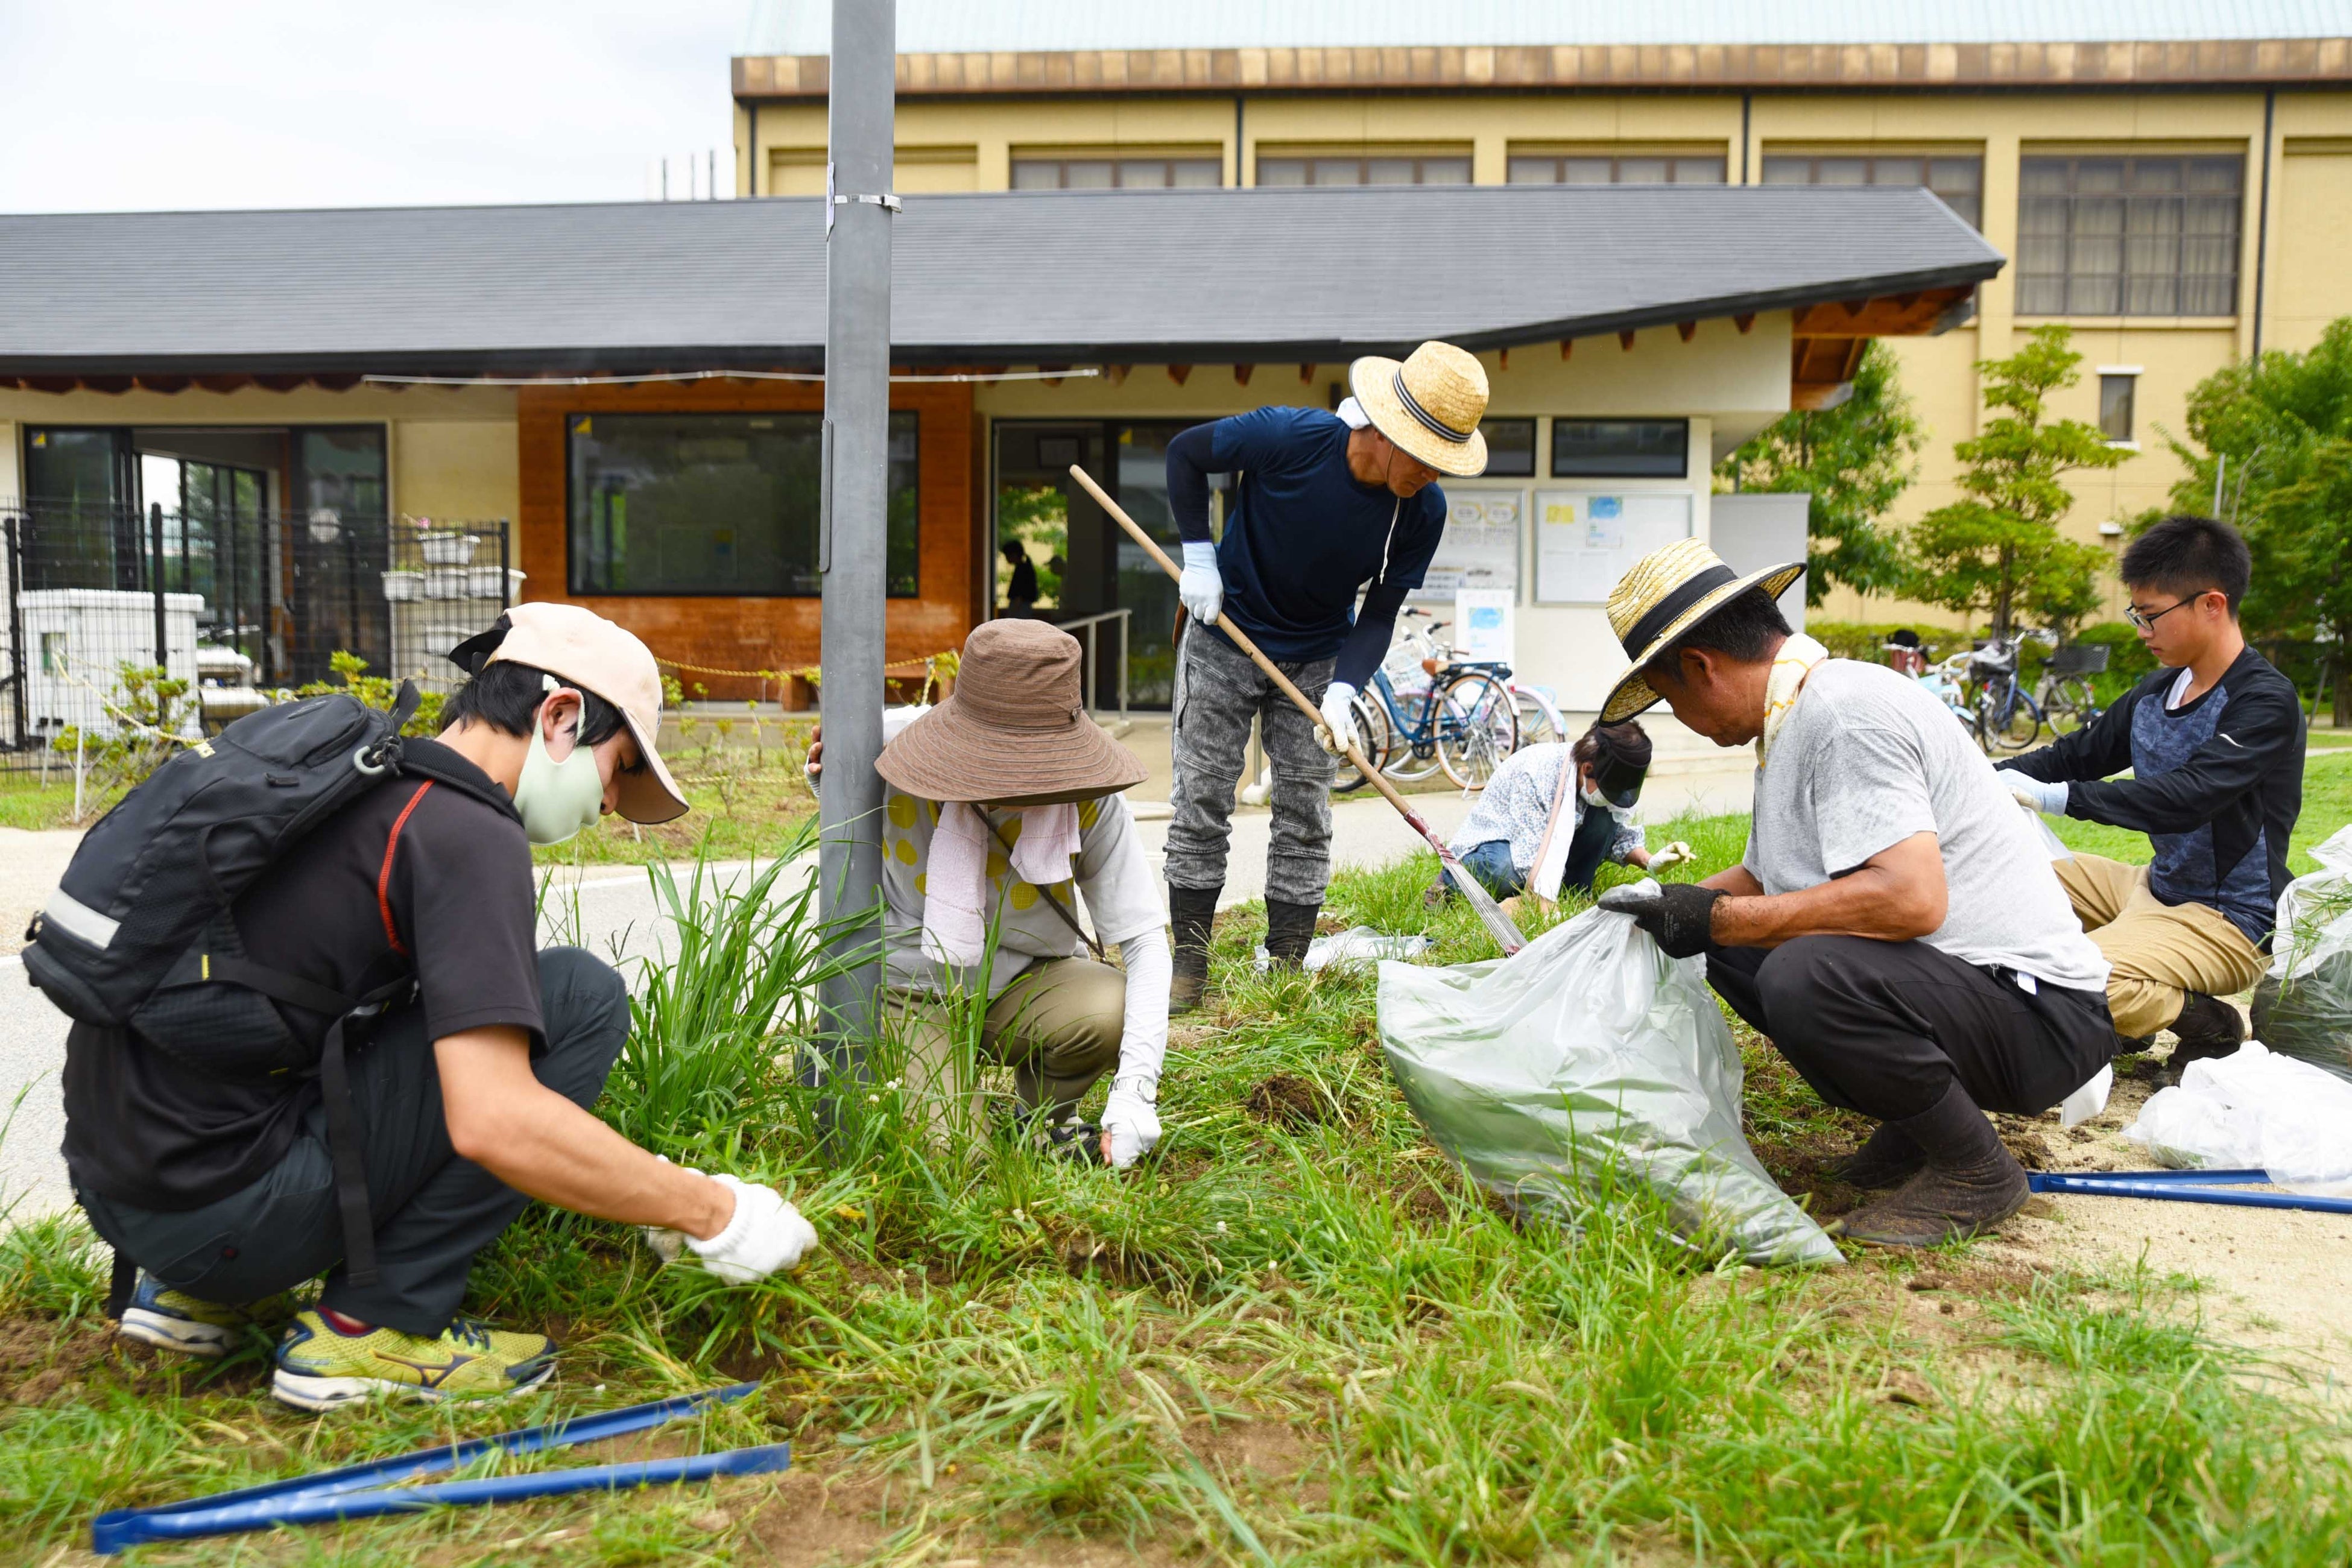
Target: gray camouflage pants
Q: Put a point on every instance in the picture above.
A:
(1218, 692)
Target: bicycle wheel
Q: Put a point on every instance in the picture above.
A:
(1373, 736)
(1478, 728)
(1412, 746)
(1539, 721)
(2072, 698)
(2020, 722)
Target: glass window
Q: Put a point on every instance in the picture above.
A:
(1621, 449)
(339, 474)
(2128, 236)
(1120, 174)
(2115, 406)
(1958, 183)
(716, 503)
(1593, 169)
(1372, 169)
(1510, 447)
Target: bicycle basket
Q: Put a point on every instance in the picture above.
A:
(2080, 658)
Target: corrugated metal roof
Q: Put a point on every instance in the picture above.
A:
(959, 27)
(1209, 275)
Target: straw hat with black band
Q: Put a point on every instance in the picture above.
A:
(1667, 593)
(1015, 733)
(1428, 403)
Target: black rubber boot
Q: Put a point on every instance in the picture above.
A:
(2207, 1027)
(1970, 1183)
(1289, 929)
(1888, 1158)
(1191, 910)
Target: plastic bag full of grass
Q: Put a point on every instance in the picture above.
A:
(2303, 1006)
(1585, 1069)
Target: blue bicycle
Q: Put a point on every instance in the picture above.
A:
(1462, 720)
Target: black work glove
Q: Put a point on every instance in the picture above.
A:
(1680, 915)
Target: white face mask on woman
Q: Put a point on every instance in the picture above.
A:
(556, 800)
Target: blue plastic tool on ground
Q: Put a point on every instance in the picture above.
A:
(362, 1491)
(2182, 1186)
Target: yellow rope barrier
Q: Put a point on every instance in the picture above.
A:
(807, 672)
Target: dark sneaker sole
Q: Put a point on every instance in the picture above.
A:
(208, 1342)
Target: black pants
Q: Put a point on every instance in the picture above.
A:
(433, 1210)
(1883, 1027)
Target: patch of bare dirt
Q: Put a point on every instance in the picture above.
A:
(1286, 1099)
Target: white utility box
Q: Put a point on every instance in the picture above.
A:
(78, 639)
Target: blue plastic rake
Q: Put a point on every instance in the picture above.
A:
(364, 1491)
(2184, 1187)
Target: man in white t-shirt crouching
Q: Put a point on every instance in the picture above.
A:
(1895, 927)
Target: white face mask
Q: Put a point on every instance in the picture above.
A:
(556, 799)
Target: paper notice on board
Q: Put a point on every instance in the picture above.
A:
(1586, 542)
(1482, 625)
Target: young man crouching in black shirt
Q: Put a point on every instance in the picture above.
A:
(470, 1103)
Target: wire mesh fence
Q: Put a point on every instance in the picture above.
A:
(232, 609)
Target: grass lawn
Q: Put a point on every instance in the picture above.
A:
(1295, 1336)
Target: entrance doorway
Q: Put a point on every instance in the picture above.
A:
(1079, 562)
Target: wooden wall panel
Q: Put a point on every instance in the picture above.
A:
(760, 633)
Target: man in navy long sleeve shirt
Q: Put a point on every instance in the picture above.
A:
(2214, 740)
(1327, 505)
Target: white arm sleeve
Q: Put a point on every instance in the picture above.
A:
(1143, 1039)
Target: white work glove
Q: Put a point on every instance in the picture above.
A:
(1674, 853)
(1338, 730)
(2032, 793)
(1130, 1121)
(1201, 587)
(765, 1235)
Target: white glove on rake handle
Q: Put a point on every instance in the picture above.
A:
(1338, 730)
(1201, 587)
(765, 1234)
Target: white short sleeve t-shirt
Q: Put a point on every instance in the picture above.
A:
(1867, 759)
(1121, 897)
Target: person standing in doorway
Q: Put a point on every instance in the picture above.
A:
(1327, 505)
(1020, 592)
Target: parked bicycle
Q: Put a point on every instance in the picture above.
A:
(1447, 715)
(2067, 689)
(2008, 716)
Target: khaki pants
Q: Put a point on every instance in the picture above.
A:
(2158, 951)
(1057, 1026)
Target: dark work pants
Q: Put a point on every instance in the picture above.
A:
(1883, 1027)
(1491, 862)
(433, 1210)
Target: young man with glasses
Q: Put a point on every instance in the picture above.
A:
(2214, 742)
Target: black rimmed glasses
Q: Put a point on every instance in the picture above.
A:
(2143, 621)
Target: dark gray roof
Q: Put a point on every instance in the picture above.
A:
(1054, 277)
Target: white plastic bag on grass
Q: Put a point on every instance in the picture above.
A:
(2303, 1007)
(1591, 1055)
(2254, 1109)
(1357, 945)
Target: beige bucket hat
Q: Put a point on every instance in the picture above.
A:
(1016, 730)
(1669, 591)
(1429, 403)
(583, 647)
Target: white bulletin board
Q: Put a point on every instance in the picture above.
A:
(1480, 549)
(1586, 539)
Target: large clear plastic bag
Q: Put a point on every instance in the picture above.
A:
(2303, 1007)
(1590, 1062)
(2254, 1109)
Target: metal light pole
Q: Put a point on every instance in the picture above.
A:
(854, 509)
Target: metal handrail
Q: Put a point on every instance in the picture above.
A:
(1088, 623)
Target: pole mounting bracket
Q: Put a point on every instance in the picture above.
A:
(885, 200)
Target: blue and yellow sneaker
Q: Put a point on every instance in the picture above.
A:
(320, 1367)
(174, 1320)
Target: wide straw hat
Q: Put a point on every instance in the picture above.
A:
(581, 647)
(1016, 730)
(1429, 405)
(1669, 591)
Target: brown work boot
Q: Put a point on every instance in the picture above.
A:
(1191, 911)
(1968, 1185)
(1887, 1158)
(1289, 928)
(2207, 1027)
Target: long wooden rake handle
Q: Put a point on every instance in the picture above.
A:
(1489, 912)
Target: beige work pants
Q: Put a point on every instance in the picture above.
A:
(2158, 951)
(1057, 1026)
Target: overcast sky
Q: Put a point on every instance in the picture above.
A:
(132, 105)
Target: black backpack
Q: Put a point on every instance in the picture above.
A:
(139, 937)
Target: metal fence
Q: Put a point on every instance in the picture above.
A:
(240, 607)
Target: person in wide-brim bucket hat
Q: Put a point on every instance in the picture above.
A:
(1015, 733)
(1004, 810)
(1667, 593)
(1429, 404)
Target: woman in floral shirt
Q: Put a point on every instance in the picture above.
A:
(1510, 842)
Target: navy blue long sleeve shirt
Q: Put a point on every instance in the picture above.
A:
(1303, 534)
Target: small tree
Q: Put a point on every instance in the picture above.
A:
(1854, 460)
(1999, 551)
